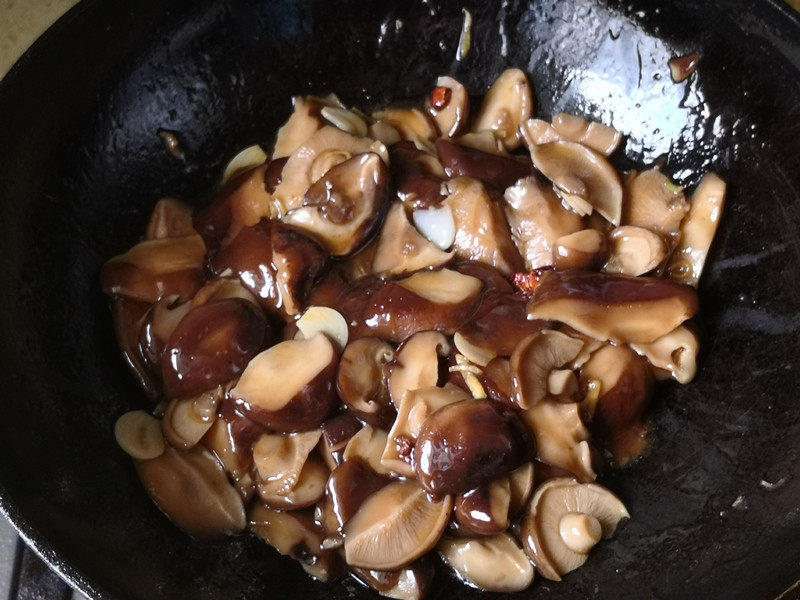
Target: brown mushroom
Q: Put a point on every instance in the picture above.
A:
(674, 353)
(188, 419)
(416, 406)
(275, 263)
(362, 383)
(468, 443)
(697, 231)
(349, 486)
(296, 534)
(170, 219)
(193, 491)
(653, 202)
(219, 289)
(583, 178)
(325, 149)
(521, 483)
(507, 105)
(401, 249)
(341, 209)
(485, 509)
(417, 175)
(613, 307)
(129, 319)
(305, 121)
(280, 458)
(211, 345)
(139, 435)
(537, 219)
(535, 359)
(493, 564)
(497, 381)
(336, 434)
(565, 521)
(599, 137)
(493, 168)
(482, 233)
(368, 445)
(561, 437)
(449, 106)
(584, 249)
(156, 268)
(395, 526)
(310, 487)
(634, 251)
(416, 364)
(290, 399)
(411, 123)
(409, 583)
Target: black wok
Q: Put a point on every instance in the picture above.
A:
(715, 502)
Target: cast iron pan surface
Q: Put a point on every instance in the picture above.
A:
(715, 501)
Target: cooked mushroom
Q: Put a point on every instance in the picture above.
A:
(416, 406)
(584, 249)
(336, 434)
(211, 345)
(411, 123)
(417, 175)
(368, 445)
(507, 105)
(193, 491)
(537, 219)
(325, 149)
(321, 319)
(484, 141)
(497, 381)
(295, 534)
(409, 583)
(493, 168)
(625, 383)
(280, 458)
(416, 364)
(395, 526)
(472, 352)
(349, 486)
(485, 509)
(561, 437)
(218, 289)
(244, 160)
(449, 106)
(130, 317)
(521, 483)
(310, 487)
(613, 307)
(139, 435)
(344, 119)
(188, 419)
(468, 443)
(341, 209)
(295, 399)
(534, 361)
(634, 251)
(384, 132)
(675, 353)
(653, 202)
(401, 249)
(170, 219)
(697, 231)
(566, 520)
(276, 263)
(305, 121)
(582, 177)
(494, 564)
(599, 137)
(482, 233)
(156, 268)
(362, 382)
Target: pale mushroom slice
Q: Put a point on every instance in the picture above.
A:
(507, 105)
(494, 564)
(362, 382)
(409, 583)
(304, 122)
(536, 132)
(139, 434)
(634, 251)
(584, 249)
(653, 202)
(411, 123)
(192, 489)
(675, 353)
(310, 487)
(448, 104)
(368, 445)
(416, 364)
(561, 437)
(472, 352)
(597, 136)
(521, 482)
(537, 220)
(340, 209)
(279, 459)
(482, 232)
(401, 249)
(325, 149)
(583, 178)
(566, 520)
(344, 119)
(395, 526)
(170, 219)
(697, 231)
(322, 319)
(534, 362)
(244, 160)
(416, 406)
(613, 307)
(188, 419)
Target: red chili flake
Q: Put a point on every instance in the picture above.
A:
(440, 97)
(527, 282)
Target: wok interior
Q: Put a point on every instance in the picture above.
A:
(83, 166)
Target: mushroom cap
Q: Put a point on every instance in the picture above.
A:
(322, 319)
(170, 218)
(584, 249)
(578, 171)
(494, 564)
(411, 123)
(139, 434)
(395, 526)
(597, 136)
(634, 251)
(305, 121)
(506, 106)
(652, 201)
(534, 359)
(542, 529)
(416, 364)
(361, 382)
(561, 437)
(491, 167)
(675, 352)
(279, 459)
(484, 510)
(409, 583)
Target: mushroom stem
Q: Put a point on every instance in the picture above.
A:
(579, 531)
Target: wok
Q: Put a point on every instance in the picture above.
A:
(714, 502)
